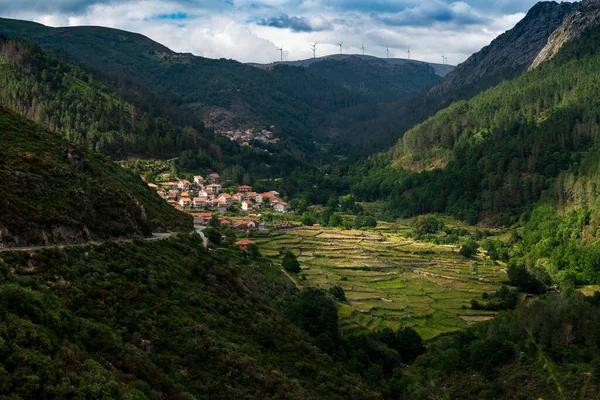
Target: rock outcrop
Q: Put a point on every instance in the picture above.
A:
(508, 55)
(585, 16)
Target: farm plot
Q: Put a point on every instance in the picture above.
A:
(390, 280)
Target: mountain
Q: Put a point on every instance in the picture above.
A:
(68, 100)
(53, 192)
(584, 16)
(440, 69)
(507, 56)
(515, 142)
(223, 93)
(383, 80)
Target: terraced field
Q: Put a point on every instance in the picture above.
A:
(389, 280)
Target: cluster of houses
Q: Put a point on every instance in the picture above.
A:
(207, 194)
(245, 138)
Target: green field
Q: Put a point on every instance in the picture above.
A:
(390, 280)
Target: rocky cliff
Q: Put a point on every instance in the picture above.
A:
(508, 55)
(586, 15)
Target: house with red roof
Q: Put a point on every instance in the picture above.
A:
(243, 244)
(247, 205)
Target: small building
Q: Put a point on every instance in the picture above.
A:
(169, 185)
(201, 202)
(214, 178)
(185, 202)
(226, 198)
(238, 196)
(247, 205)
(243, 244)
(280, 206)
(213, 188)
(202, 218)
(184, 184)
(244, 189)
(153, 186)
(198, 180)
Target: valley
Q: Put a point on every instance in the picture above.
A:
(178, 227)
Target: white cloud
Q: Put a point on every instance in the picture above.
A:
(219, 29)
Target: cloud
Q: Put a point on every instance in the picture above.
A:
(173, 16)
(296, 24)
(433, 12)
(253, 30)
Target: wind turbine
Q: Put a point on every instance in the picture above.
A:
(341, 46)
(314, 49)
(408, 53)
(388, 52)
(281, 51)
(443, 59)
(446, 59)
(363, 49)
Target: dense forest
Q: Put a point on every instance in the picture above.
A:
(166, 319)
(52, 191)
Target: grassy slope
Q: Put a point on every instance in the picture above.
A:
(52, 192)
(165, 319)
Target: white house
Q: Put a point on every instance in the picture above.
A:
(185, 202)
(246, 205)
(280, 206)
(225, 198)
(184, 184)
(213, 188)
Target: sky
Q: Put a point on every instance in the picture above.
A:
(255, 30)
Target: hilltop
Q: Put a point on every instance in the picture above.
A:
(440, 69)
(507, 56)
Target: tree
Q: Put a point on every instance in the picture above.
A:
(253, 251)
(469, 248)
(213, 235)
(335, 220)
(290, 263)
(338, 293)
(308, 219)
(519, 276)
(428, 224)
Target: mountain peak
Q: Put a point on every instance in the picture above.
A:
(509, 54)
(584, 16)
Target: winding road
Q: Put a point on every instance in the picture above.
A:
(155, 236)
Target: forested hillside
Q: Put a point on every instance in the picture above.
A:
(52, 192)
(301, 104)
(167, 319)
(495, 158)
(510, 144)
(70, 101)
(506, 57)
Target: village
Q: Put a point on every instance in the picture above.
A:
(246, 137)
(205, 198)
